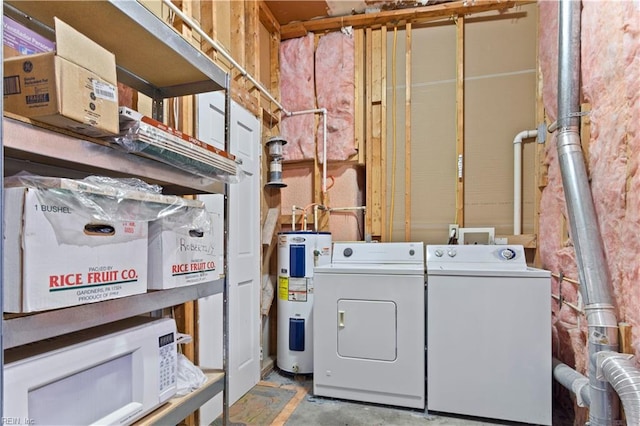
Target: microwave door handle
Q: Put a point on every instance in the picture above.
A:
(120, 416)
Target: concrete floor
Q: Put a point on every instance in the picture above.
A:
(284, 399)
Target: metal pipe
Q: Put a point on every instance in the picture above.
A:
(624, 376)
(572, 380)
(339, 209)
(220, 49)
(592, 267)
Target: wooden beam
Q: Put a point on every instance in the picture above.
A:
(383, 132)
(399, 17)
(268, 20)
(407, 136)
(460, 119)
(252, 44)
(539, 160)
(375, 179)
(359, 103)
(525, 240)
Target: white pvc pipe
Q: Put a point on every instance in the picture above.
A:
(322, 111)
(517, 178)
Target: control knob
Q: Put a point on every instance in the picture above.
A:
(507, 254)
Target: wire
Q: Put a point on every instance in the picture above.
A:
(393, 136)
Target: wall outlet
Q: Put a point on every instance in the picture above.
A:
(452, 227)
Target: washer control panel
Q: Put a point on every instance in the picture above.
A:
(482, 257)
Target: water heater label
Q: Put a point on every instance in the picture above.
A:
(283, 288)
(297, 289)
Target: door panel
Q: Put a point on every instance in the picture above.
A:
(243, 255)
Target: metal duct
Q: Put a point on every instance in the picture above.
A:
(621, 372)
(592, 268)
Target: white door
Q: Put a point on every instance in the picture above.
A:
(243, 256)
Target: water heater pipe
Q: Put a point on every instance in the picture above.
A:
(517, 178)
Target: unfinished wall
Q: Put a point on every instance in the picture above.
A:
(500, 101)
(611, 84)
(346, 186)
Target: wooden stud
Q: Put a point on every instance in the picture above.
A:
(415, 15)
(585, 133)
(376, 181)
(207, 11)
(538, 166)
(237, 40)
(275, 66)
(252, 43)
(460, 119)
(368, 228)
(407, 137)
(383, 134)
(626, 338)
(359, 83)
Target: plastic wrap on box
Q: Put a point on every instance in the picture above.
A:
(150, 138)
(109, 199)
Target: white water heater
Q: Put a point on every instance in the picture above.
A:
(298, 253)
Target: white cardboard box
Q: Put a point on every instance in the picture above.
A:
(182, 254)
(53, 260)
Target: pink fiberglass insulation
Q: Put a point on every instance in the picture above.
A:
(610, 44)
(297, 94)
(335, 80)
(346, 189)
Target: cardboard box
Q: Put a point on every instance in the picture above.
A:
(72, 88)
(55, 256)
(182, 253)
(19, 40)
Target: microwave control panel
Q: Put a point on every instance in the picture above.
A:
(168, 362)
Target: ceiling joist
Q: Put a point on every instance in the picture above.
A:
(397, 17)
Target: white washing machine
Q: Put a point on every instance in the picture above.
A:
(488, 334)
(368, 327)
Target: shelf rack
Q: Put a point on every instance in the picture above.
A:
(21, 330)
(154, 59)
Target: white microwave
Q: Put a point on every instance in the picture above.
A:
(108, 375)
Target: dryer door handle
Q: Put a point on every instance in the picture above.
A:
(340, 319)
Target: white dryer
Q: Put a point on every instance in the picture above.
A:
(369, 327)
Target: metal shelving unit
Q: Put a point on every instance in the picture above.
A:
(157, 61)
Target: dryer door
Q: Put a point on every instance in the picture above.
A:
(367, 329)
